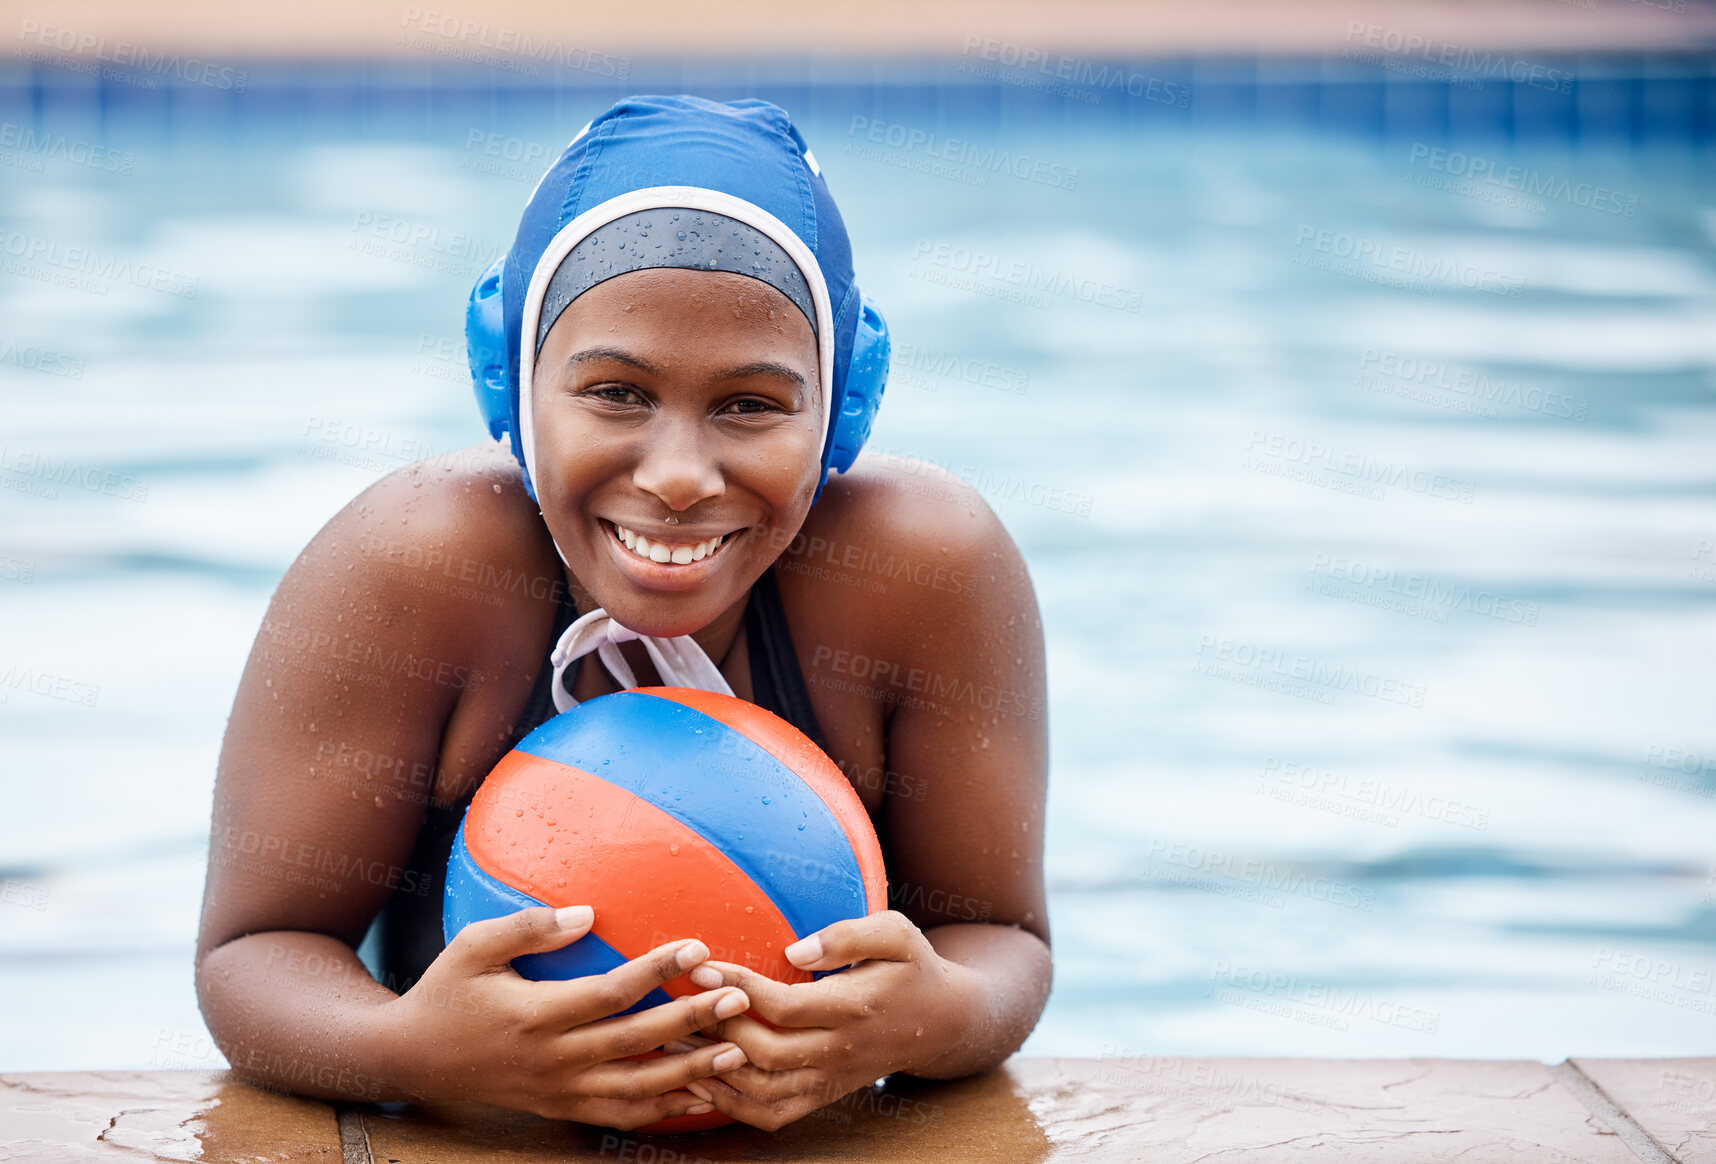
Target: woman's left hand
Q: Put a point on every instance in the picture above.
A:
(900, 1008)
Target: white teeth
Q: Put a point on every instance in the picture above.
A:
(657, 552)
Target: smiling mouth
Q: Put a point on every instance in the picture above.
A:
(662, 553)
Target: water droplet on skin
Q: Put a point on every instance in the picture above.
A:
(673, 850)
(378, 802)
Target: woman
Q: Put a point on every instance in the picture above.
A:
(682, 363)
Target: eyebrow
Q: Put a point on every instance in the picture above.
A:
(765, 368)
(588, 355)
(754, 368)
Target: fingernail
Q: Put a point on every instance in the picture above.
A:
(700, 1092)
(803, 953)
(729, 1059)
(699, 1108)
(574, 917)
(691, 954)
(706, 976)
(732, 1004)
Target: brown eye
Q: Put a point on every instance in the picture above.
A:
(752, 406)
(615, 394)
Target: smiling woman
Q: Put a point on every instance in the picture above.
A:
(681, 360)
(684, 406)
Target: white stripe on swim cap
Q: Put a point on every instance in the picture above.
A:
(669, 198)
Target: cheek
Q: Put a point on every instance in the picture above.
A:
(783, 468)
(570, 464)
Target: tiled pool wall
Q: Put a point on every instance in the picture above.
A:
(1513, 96)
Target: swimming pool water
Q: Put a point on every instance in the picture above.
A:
(1366, 482)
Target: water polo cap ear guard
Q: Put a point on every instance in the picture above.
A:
(485, 348)
(847, 423)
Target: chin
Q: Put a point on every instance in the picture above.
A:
(649, 618)
(666, 613)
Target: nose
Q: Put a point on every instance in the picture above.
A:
(679, 465)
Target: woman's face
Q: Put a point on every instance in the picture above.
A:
(691, 394)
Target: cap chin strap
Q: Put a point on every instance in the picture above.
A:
(680, 661)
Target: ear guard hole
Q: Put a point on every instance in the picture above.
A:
(485, 349)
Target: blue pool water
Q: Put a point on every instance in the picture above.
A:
(1366, 477)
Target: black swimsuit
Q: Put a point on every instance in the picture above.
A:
(406, 935)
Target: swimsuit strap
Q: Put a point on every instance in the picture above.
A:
(539, 707)
(777, 682)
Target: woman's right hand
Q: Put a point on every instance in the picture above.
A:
(474, 1028)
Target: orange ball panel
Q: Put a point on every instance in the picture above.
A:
(534, 815)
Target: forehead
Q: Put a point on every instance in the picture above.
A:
(673, 305)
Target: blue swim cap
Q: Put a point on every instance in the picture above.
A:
(725, 168)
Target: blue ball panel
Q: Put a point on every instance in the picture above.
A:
(473, 895)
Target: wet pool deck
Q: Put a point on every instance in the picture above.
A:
(1161, 1110)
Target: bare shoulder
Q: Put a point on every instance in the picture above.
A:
(472, 499)
(454, 534)
(889, 482)
(905, 563)
(915, 535)
(436, 587)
